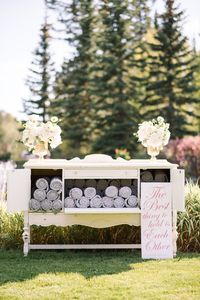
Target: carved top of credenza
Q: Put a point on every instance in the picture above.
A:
(97, 161)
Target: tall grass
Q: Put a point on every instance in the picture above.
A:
(11, 229)
(189, 221)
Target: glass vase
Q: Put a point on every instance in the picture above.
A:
(41, 149)
(153, 152)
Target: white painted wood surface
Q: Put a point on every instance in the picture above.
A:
(19, 190)
(84, 246)
(178, 182)
(91, 220)
(102, 173)
(102, 211)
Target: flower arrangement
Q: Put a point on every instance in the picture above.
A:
(154, 135)
(37, 135)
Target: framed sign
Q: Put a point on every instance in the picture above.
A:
(156, 220)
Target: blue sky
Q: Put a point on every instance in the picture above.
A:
(20, 22)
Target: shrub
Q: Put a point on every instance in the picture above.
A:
(189, 221)
(186, 152)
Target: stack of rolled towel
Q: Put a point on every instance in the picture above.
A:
(154, 175)
(46, 195)
(115, 196)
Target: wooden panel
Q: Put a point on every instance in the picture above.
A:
(91, 220)
(102, 210)
(18, 189)
(85, 246)
(100, 173)
(178, 183)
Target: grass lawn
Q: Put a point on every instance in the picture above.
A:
(97, 275)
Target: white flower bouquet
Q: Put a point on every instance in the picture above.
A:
(37, 135)
(154, 135)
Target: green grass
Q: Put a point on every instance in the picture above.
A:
(97, 275)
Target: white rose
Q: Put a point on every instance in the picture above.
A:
(32, 118)
(145, 129)
(155, 140)
(55, 142)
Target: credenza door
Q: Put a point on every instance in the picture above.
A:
(178, 186)
(18, 190)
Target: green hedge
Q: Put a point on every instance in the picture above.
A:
(11, 228)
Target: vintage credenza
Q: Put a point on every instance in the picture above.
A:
(95, 166)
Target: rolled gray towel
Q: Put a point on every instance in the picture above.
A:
(115, 182)
(84, 202)
(91, 182)
(42, 183)
(134, 190)
(96, 202)
(80, 183)
(52, 195)
(46, 205)
(125, 192)
(107, 201)
(39, 194)
(126, 182)
(132, 201)
(69, 183)
(134, 182)
(34, 205)
(57, 205)
(161, 176)
(56, 184)
(76, 193)
(119, 202)
(90, 192)
(102, 184)
(111, 191)
(69, 202)
(146, 176)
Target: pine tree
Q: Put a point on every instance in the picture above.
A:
(117, 74)
(72, 86)
(170, 90)
(40, 79)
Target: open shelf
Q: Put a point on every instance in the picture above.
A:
(102, 210)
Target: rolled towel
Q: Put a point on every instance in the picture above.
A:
(146, 176)
(134, 182)
(125, 182)
(107, 201)
(84, 202)
(91, 182)
(131, 201)
(115, 182)
(80, 183)
(52, 195)
(46, 205)
(57, 205)
(69, 183)
(125, 192)
(90, 192)
(56, 184)
(76, 193)
(119, 202)
(161, 176)
(39, 194)
(34, 204)
(42, 183)
(134, 190)
(69, 202)
(102, 184)
(111, 191)
(96, 202)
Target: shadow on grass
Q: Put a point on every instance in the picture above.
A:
(14, 267)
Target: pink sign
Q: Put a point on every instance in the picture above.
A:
(156, 223)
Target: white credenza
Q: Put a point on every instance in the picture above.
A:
(91, 167)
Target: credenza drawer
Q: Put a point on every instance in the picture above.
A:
(102, 173)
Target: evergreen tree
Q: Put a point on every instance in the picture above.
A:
(39, 80)
(72, 87)
(170, 90)
(116, 74)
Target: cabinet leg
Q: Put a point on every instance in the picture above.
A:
(26, 234)
(174, 232)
